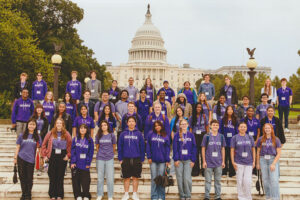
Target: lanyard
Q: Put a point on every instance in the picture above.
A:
(184, 138)
(82, 142)
(215, 146)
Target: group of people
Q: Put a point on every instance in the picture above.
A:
(189, 133)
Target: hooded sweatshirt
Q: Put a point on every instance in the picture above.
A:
(131, 145)
(185, 148)
(22, 110)
(39, 90)
(158, 148)
(187, 108)
(74, 87)
(150, 121)
(82, 152)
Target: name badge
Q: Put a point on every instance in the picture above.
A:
(163, 112)
(39, 131)
(20, 93)
(82, 156)
(148, 96)
(251, 133)
(198, 132)
(153, 120)
(47, 113)
(206, 93)
(131, 96)
(113, 97)
(283, 98)
(166, 97)
(229, 134)
(72, 91)
(214, 154)
(245, 154)
(38, 92)
(229, 97)
(184, 152)
(267, 157)
(93, 91)
(57, 151)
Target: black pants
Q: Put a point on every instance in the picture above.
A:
(284, 110)
(197, 169)
(25, 170)
(81, 181)
(228, 164)
(56, 173)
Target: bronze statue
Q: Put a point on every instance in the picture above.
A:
(251, 52)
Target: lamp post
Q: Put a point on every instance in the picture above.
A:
(251, 64)
(56, 60)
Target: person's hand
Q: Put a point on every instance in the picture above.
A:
(66, 158)
(121, 162)
(258, 166)
(15, 161)
(167, 164)
(87, 167)
(272, 167)
(73, 166)
(192, 164)
(176, 164)
(150, 161)
(234, 166)
(77, 101)
(45, 159)
(253, 165)
(223, 165)
(204, 165)
(13, 125)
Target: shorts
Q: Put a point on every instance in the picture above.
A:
(131, 167)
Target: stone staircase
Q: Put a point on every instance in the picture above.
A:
(289, 179)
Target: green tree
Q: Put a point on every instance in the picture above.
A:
(276, 82)
(239, 82)
(294, 84)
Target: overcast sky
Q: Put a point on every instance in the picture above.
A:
(206, 34)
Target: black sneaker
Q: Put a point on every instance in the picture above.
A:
(218, 199)
(206, 199)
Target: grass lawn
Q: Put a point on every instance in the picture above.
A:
(293, 114)
(295, 106)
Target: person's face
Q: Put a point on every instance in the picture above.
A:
(104, 126)
(202, 97)
(106, 110)
(131, 108)
(49, 96)
(227, 81)
(264, 98)
(268, 129)
(162, 95)
(230, 111)
(283, 83)
(31, 126)
(130, 81)
(114, 84)
(83, 110)
(183, 125)
(105, 97)
(124, 95)
(157, 108)
(157, 127)
(222, 99)
(24, 94)
(74, 75)
(61, 108)
(67, 97)
(270, 112)
(148, 81)
(250, 112)
(93, 75)
(82, 130)
(86, 95)
(39, 110)
(268, 82)
(179, 112)
(143, 94)
(59, 124)
(166, 85)
(131, 123)
(187, 85)
(206, 79)
(245, 101)
(181, 99)
(39, 77)
(215, 127)
(242, 128)
(23, 78)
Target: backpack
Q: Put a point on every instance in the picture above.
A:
(164, 118)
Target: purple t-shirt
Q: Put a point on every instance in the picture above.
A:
(58, 143)
(243, 149)
(99, 108)
(267, 148)
(106, 142)
(80, 120)
(149, 94)
(49, 108)
(284, 96)
(261, 110)
(27, 148)
(40, 124)
(213, 153)
(206, 110)
(132, 93)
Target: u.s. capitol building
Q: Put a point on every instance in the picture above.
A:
(148, 58)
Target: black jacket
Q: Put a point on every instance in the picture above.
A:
(18, 89)
(91, 108)
(234, 98)
(67, 119)
(44, 130)
(278, 130)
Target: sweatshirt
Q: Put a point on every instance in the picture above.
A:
(22, 110)
(158, 148)
(186, 149)
(74, 87)
(131, 145)
(82, 152)
(39, 90)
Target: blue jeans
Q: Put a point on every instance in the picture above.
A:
(284, 110)
(217, 181)
(270, 178)
(105, 168)
(184, 178)
(157, 192)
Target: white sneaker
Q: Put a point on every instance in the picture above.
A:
(99, 197)
(135, 196)
(286, 130)
(110, 198)
(125, 197)
(85, 198)
(79, 198)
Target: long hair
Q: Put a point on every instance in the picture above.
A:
(177, 118)
(57, 109)
(110, 115)
(71, 100)
(145, 85)
(35, 114)
(194, 114)
(162, 131)
(247, 118)
(87, 134)
(264, 137)
(178, 100)
(267, 89)
(35, 135)
(100, 131)
(85, 108)
(52, 99)
(233, 116)
(204, 101)
(180, 129)
(63, 130)
(219, 105)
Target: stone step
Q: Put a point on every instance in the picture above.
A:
(10, 191)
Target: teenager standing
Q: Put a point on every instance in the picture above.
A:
(39, 89)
